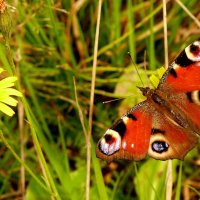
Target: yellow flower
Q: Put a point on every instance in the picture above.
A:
(6, 91)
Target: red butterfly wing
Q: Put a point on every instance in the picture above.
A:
(169, 140)
(184, 73)
(129, 137)
(144, 130)
(181, 83)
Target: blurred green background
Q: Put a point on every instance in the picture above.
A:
(50, 43)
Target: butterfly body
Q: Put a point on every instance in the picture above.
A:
(167, 124)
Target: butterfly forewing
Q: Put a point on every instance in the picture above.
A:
(181, 84)
(129, 137)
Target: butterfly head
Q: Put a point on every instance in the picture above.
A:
(145, 91)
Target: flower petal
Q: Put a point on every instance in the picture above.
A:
(10, 91)
(8, 82)
(6, 109)
(9, 101)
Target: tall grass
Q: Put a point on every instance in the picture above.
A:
(51, 45)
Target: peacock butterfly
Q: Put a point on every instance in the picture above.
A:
(167, 124)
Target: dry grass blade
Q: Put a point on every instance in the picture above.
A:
(11, 195)
(44, 173)
(92, 100)
(165, 33)
(80, 111)
(21, 128)
(169, 182)
(188, 12)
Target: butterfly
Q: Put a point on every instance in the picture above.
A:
(167, 124)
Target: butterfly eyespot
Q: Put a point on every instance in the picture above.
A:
(159, 146)
(108, 138)
(194, 48)
(193, 51)
(110, 142)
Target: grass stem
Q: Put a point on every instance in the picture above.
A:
(92, 101)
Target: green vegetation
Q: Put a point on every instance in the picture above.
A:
(47, 46)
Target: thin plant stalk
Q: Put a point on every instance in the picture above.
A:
(188, 12)
(169, 182)
(21, 129)
(80, 111)
(165, 33)
(92, 101)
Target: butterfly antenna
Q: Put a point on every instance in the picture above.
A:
(109, 101)
(136, 68)
(145, 68)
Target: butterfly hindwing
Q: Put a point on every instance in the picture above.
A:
(169, 140)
